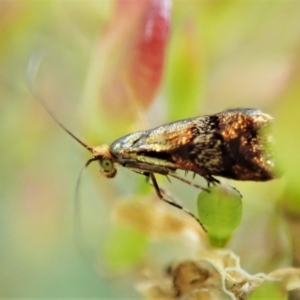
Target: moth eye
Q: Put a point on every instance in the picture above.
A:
(107, 167)
(106, 164)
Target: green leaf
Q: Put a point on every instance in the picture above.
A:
(220, 212)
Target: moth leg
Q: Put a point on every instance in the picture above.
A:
(162, 190)
(188, 182)
(236, 190)
(211, 180)
(159, 193)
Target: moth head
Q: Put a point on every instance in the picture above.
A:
(106, 161)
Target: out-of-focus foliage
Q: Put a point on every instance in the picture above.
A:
(211, 55)
(217, 274)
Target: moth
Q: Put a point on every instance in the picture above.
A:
(233, 144)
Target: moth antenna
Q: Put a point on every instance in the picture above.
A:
(78, 236)
(32, 69)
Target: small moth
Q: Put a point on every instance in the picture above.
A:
(231, 144)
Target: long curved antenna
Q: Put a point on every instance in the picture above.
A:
(32, 69)
(78, 237)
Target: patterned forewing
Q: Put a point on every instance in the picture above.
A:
(229, 144)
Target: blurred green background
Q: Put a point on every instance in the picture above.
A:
(220, 54)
